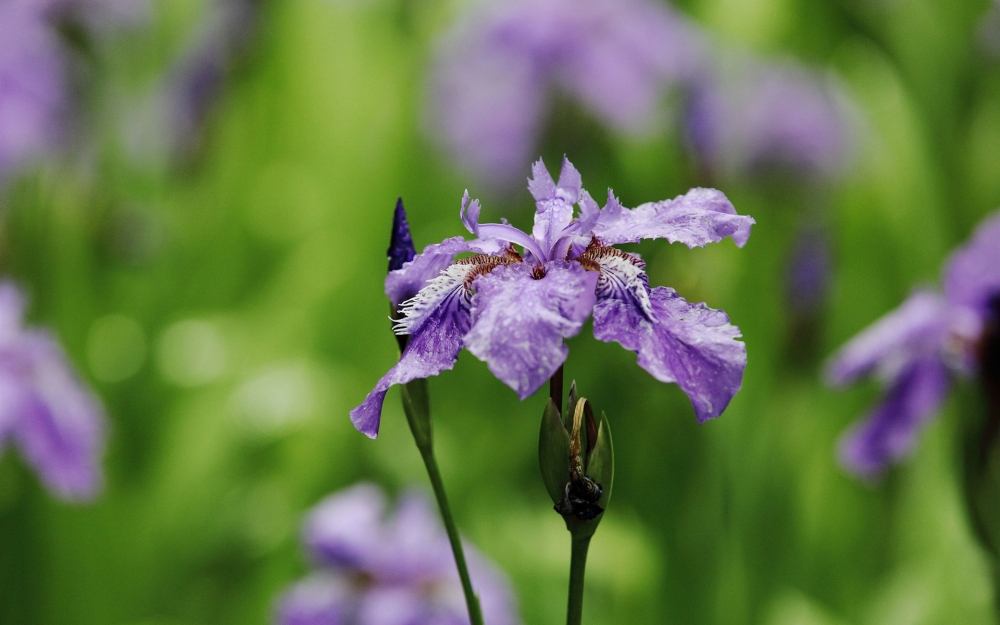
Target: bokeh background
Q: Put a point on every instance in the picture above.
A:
(207, 239)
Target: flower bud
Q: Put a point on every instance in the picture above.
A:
(576, 457)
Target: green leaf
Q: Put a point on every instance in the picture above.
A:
(553, 452)
(601, 467)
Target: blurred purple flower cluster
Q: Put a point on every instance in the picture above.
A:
(914, 349)
(497, 73)
(747, 117)
(375, 568)
(44, 408)
(37, 92)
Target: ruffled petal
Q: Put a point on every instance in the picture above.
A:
(889, 432)
(519, 322)
(689, 344)
(322, 599)
(553, 202)
(469, 214)
(60, 427)
(345, 530)
(914, 330)
(696, 218)
(972, 276)
(404, 283)
(436, 318)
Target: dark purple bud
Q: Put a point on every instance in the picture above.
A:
(808, 277)
(401, 248)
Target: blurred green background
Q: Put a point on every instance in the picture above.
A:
(229, 311)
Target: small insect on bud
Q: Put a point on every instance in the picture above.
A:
(577, 460)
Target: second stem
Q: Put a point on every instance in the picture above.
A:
(577, 568)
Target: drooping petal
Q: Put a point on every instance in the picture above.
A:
(696, 218)
(345, 529)
(401, 248)
(61, 425)
(436, 318)
(914, 330)
(690, 344)
(972, 275)
(889, 432)
(404, 283)
(321, 599)
(622, 276)
(519, 322)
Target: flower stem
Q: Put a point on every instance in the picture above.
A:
(577, 567)
(556, 388)
(417, 408)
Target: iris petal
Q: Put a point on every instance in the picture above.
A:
(519, 321)
(696, 218)
(689, 344)
(891, 429)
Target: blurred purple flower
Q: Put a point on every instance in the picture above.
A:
(495, 74)
(172, 119)
(36, 98)
(988, 33)
(375, 569)
(914, 348)
(513, 310)
(44, 408)
(749, 117)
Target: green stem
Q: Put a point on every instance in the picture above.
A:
(471, 600)
(577, 567)
(417, 408)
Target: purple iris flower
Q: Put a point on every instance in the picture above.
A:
(915, 348)
(44, 408)
(513, 309)
(496, 73)
(398, 569)
(748, 117)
